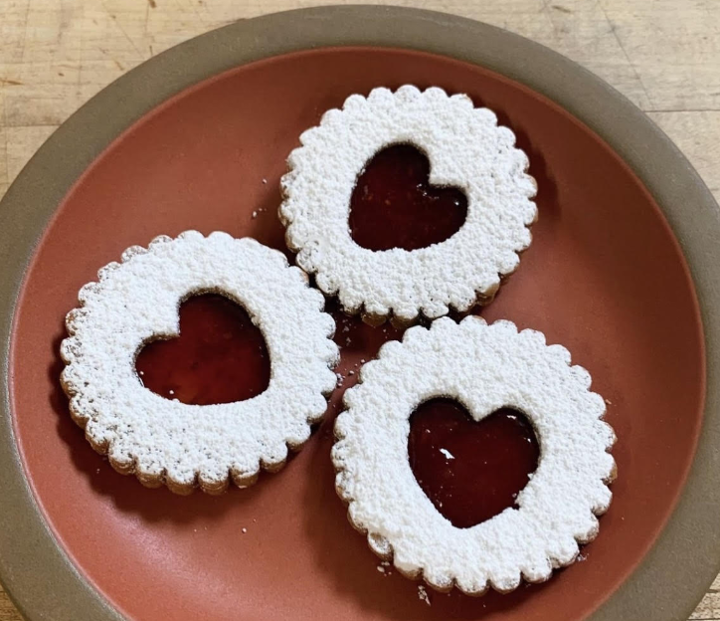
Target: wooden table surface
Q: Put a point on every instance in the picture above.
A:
(662, 54)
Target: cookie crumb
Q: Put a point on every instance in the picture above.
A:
(264, 181)
(381, 569)
(423, 595)
(580, 558)
(254, 214)
(351, 372)
(608, 402)
(244, 530)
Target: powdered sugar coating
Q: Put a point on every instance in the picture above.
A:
(165, 441)
(485, 367)
(466, 149)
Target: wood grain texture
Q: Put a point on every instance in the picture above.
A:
(662, 54)
(7, 610)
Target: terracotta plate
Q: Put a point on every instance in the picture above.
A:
(605, 276)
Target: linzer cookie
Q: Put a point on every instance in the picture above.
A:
(437, 399)
(406, 203)
(185, 437)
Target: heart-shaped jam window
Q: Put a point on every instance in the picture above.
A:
(393, 204)
(220, 356)
(470, 470)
